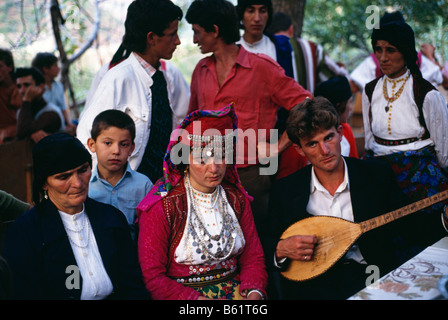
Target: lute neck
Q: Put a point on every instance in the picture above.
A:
(402, 212)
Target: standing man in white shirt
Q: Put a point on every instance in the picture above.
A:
(139, 86)
(347, 188)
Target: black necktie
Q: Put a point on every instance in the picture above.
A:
(160, 131)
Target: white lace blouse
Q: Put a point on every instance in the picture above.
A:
(189, 251)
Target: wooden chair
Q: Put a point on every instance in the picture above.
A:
(16, 176)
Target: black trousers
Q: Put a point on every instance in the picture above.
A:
(342, 281)
(258, 186)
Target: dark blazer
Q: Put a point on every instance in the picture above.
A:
(38, 252)
(373, 191)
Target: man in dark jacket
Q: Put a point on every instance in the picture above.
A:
(347, 188)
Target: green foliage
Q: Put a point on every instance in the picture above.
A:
(340, 25)
(21, 23)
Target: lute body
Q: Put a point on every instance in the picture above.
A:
(335, 236)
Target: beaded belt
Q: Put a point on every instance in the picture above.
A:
(212, 277)
(385, 142)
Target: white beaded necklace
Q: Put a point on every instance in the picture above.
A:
(85, 225)
(200, 233)
(213, 200)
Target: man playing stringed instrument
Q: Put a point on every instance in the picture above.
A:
(347, 188)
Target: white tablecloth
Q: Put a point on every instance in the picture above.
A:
(416, 279)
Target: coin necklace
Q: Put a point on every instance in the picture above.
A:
(202, 238)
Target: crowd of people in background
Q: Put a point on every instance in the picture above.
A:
(112, 200)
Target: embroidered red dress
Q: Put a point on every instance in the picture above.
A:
(162, 221)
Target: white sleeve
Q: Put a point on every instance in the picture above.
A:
(364, 73)
(435, 112)
(368, 135)
(87, 116)
(95, 83)
(101, 100)
(431, 72)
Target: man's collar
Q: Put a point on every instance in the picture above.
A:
(242, 58)
(96, 176)
(316, 185)
(147, 66)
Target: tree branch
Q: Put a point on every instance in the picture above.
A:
(93, 35)
(57, 20)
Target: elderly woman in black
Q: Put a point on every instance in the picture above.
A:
(69, 246)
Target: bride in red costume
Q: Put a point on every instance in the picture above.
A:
(197, 237)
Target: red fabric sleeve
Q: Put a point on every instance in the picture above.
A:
(253, 273)
(348, 134)
(153, 248)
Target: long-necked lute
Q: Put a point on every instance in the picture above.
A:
(335, 236)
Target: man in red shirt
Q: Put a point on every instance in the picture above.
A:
(256, 84)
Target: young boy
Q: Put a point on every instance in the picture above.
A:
(113, 181)
(47, 63)
(158, 106)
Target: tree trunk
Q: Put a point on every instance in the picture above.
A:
(295, 9)
(57, 20)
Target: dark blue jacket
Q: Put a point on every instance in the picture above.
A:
(38, 252)
(284, 52)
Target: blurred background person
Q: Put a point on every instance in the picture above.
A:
(48, 64)
(37, 118)
(66, 236)
(10, 100)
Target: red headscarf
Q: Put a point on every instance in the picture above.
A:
(223, 121)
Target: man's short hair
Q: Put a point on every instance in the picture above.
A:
(144, 16)
(336, 90)
(243, 4)
(7, 58)
(221, 13)
(309, 117)
(112, 118)
(44, 59)
(34, 72)
(280, 22)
